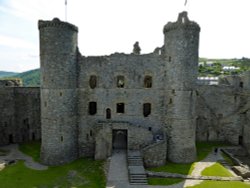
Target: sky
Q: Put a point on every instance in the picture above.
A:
(109, 26)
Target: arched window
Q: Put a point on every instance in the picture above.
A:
(146, 109)
(148, 81)
(92, 81)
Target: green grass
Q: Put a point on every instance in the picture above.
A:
(216, 170)
(82, 173)
(3, 152)
(228, 160)
(174, 168)
(203, 149)
(164, 181)
(32, 149)
(221, 184)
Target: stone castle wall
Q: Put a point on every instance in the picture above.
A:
(20, 115)
(85, 100)
(181, 56)
(58, 55)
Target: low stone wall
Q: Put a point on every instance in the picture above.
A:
(155, 154)
(181, 176)
(240, 169)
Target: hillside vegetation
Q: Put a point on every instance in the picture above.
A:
(7, 74)
(30, 78)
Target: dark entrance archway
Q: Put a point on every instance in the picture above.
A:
(120, 139)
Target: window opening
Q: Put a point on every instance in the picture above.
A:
(108, 113)
(120, 108)
(146, 109)
(148, 82)
(11, 139)
(241, 84)
(92, 81)
(120, 81)
(92, 108)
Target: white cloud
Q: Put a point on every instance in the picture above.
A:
(16, 42)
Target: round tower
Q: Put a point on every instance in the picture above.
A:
(181, 56)
(58, 59)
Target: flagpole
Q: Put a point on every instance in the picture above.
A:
(65, 10)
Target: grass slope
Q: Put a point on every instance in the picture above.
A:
(163, 181)
(221, 184)
(30, 78)
(82, 173)
(216, 170)
(203, 149)
(32, 149)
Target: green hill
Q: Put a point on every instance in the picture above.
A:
(30, 78)
(7, 74)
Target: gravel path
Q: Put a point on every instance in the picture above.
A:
(14, 154)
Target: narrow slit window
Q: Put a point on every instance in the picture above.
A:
(120, 81)
(148, 81)
(241, 84)
(92, 108)
(92, 81)
(146, 109)
(120, 108)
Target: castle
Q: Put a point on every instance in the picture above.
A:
(91, 106)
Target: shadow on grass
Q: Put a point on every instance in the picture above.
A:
(82, 173)
(203, 149)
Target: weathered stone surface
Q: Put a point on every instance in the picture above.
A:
(155, 154)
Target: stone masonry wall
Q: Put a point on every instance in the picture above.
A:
(219, 114)
(155, 154)
(106, 94)
(20, 115)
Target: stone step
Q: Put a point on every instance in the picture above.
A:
(139, 183)
(138, 175)
(136, 171)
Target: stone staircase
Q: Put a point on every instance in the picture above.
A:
(136, 171)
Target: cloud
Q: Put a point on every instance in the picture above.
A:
(15, 42)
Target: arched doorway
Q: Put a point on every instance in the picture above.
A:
(108, 113)
(120, 139)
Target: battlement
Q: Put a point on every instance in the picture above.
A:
(56, 22)
(182, 22)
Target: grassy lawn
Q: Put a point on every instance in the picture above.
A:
(216, 170)
(227, 159)
(82, 173)
(203, 149)
(164, 181)
(221, 184)
(32, 149)
(174, 168)
(3, 152)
